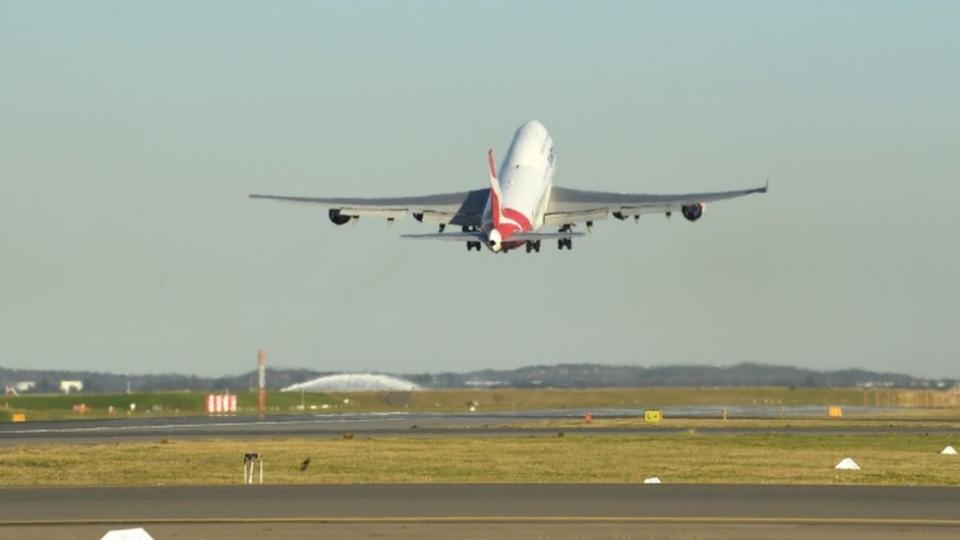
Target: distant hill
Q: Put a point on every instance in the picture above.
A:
(556, 376)
(594, 375)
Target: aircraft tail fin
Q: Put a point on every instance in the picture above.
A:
(496, 210)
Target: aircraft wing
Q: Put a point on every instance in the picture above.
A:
(577, 206)
(463, 208)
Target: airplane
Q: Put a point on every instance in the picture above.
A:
(521, 204)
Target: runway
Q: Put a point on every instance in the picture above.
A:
(380, 424)
(621, 510)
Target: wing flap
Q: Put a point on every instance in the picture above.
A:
(385, 213)
(462, 208)
(575, 206)
(559, 218)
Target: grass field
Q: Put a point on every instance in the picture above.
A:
(48, 407)
(688, 457)
(781, 459)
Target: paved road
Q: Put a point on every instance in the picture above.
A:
(415, 424)
(503, 502)
(522, 510)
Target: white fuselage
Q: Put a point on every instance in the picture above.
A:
(525, 178)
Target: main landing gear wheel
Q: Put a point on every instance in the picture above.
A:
(533, 246)
(472, 245)
(565, 242)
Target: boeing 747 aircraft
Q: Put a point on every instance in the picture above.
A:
(521, 204)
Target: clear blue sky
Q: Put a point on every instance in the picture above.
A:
(131, 133)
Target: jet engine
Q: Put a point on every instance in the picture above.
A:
(337, 218)
(692, 212)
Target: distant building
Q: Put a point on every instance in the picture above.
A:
(71, 386)
(25, 386)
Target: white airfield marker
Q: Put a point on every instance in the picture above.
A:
(127, 534)
(848, 464)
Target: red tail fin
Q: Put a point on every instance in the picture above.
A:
(495, 209)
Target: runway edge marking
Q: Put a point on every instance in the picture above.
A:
(501, 519)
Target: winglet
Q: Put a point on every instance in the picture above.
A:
(495, 208)
(766, 186)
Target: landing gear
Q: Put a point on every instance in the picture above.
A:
(565, 242)
(470, 243)
(533, 246)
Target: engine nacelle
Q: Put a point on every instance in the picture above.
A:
(692, 212)
(337, 218)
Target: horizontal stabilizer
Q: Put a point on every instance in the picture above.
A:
(477, 236)
(450, 237)
(534, 236)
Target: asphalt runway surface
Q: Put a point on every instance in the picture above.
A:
(379, 424)
(462, 511)
(488, 510)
